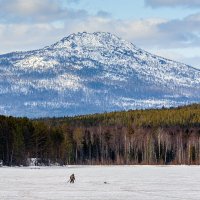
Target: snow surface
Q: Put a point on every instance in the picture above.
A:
(122, 183)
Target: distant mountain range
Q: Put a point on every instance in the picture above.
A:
(89, 73)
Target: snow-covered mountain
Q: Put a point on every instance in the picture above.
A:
(89, 73)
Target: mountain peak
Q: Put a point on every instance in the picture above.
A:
(99, 35)
(96, 39)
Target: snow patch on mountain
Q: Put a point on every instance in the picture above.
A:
(36, 63)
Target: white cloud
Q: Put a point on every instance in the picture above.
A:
(27, 36)
(145, 33)
(182, 33)
(30, 36)
(36, 11)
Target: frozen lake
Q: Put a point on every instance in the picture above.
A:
(123, 183)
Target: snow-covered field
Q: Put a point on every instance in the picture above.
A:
(122, 183)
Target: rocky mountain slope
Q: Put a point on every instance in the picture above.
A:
(89, 73)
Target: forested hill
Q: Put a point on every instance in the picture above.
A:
(165, 136)
(185, 116)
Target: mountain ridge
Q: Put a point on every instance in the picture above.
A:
(92, 72)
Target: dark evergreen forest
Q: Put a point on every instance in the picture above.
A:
(165, 136)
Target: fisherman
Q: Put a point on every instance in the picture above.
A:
(72, 178)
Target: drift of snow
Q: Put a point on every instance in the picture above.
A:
(101, 183)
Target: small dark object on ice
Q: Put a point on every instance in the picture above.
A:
(105, 182)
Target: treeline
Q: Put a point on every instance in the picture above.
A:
(165, 136)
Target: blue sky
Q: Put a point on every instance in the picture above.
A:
(130, 9)
(170, 28)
